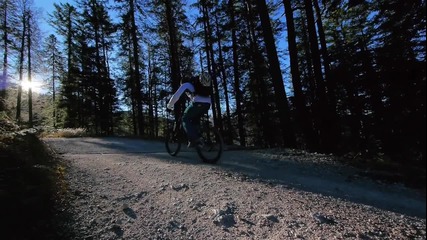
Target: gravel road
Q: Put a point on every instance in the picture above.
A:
(121, 188)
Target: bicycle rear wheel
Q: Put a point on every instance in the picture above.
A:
(172, 142)
(212, 147)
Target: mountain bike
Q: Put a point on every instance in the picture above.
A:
(210, 149)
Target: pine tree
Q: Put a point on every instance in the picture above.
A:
(54, 58)
(237, 91)
(302, 119)
(279, 88)
(64, 20)
(7, 14)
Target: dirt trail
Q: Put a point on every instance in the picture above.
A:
(131, 189)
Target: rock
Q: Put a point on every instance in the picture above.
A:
(321, 219)
(181, 186)
(225, 220)
(271, 218)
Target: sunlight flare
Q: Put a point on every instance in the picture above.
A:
(34, 85)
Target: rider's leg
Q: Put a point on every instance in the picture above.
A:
(191, 119)
(203, 108)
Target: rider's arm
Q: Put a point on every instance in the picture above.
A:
(178, 93)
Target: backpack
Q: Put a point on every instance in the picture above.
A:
(199, 89)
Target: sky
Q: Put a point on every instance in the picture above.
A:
(47, 8)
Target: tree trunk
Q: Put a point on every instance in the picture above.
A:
(332, 117)
(21, 70)
(330, 82)
(237, 91)
(216, 106)
(266, 136)
(276, 74)
(151, 96)
(303, 119)
(54, 89)
(3, 80)
(229, 135)
(320, 107)
(30, 90)
(173, 51)
(137, 73)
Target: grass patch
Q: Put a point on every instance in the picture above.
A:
(64, 132)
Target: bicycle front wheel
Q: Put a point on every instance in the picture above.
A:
(172, 142)
(212, 147)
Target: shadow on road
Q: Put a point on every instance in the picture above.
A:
(343, 183)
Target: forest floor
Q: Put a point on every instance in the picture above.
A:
(110, 189)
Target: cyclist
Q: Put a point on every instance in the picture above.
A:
(198, 89)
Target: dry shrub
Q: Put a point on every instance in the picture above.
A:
(7, 125)
(64, 132)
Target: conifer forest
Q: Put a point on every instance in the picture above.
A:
(336, 76)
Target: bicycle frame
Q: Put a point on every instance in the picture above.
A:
(213, 143)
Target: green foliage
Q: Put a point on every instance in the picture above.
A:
(377, 54)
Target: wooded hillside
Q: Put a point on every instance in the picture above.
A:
(340, 76)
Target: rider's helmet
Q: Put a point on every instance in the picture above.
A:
(205, 79)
